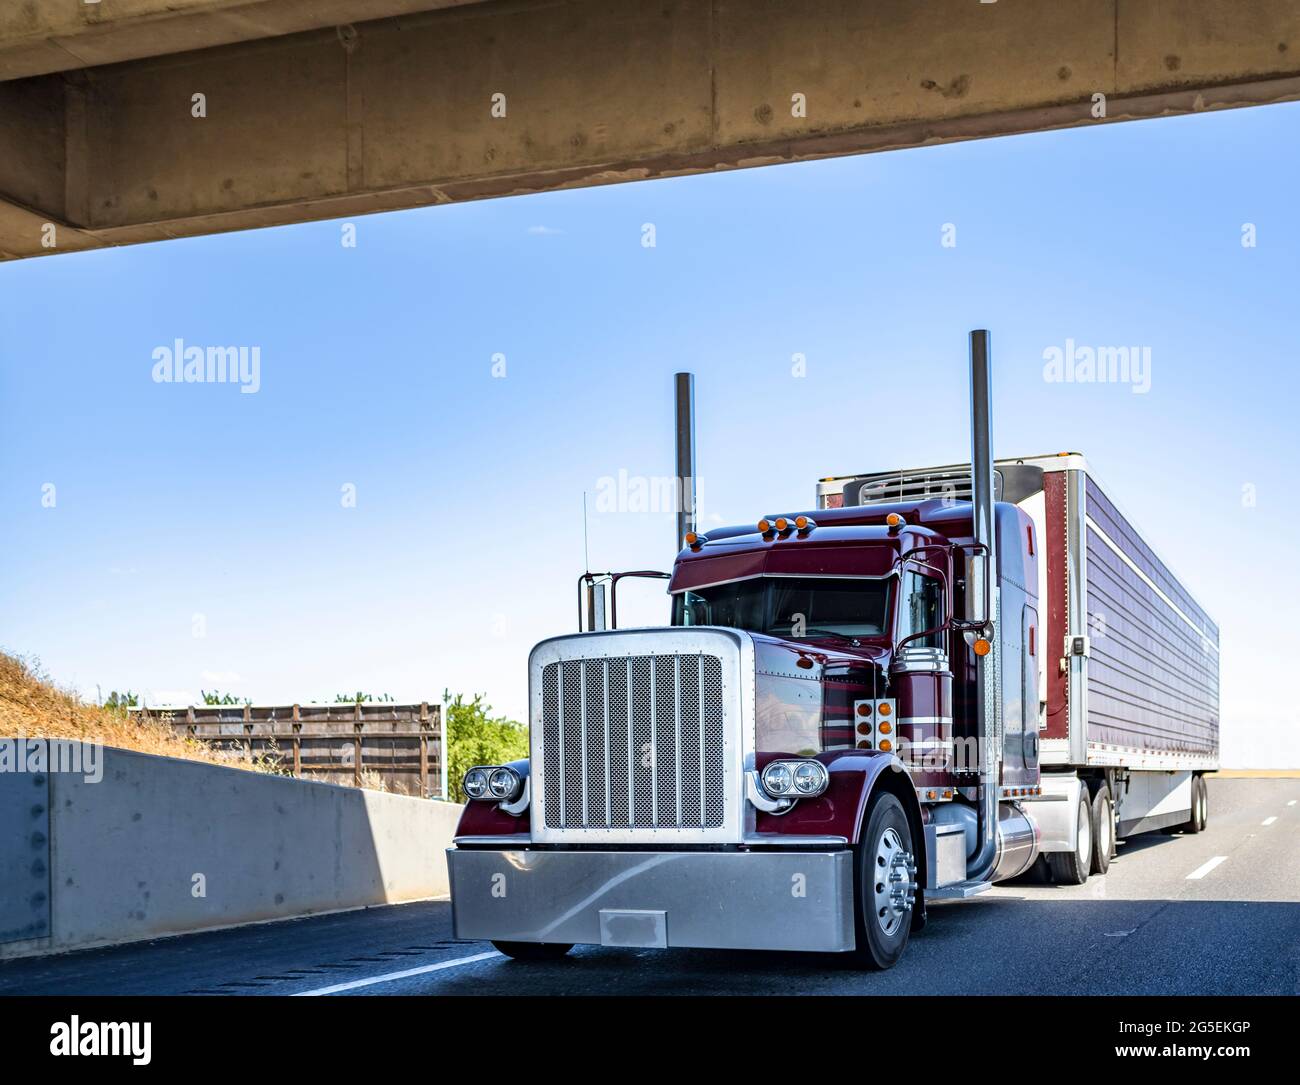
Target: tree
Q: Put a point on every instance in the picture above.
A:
(476, 737)
(361, 698)
(214, 697)
(120, 702)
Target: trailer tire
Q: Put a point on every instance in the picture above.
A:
(534, 951)
(1103, 830)
(885, 849)
(1198, 815)
(1071, 867)
(1200, 794)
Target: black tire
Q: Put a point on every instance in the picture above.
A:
(1199, 813)
(920, 920)
(1103, 830)
(534, 951)
(1071, 867)
(882, 933)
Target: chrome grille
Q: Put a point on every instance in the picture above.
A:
(634, 742)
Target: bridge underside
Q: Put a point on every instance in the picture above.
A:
(302, 113)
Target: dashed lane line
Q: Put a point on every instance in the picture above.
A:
(352, 985)
(1206, 867)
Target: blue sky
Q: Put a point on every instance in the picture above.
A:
(180, 500)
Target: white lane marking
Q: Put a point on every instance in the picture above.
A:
(387, 976)
(1268, 821)
(1291, 803)
(1205, 868)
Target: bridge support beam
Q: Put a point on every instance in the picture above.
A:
(496, 99)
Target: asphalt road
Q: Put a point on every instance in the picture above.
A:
(1216, 913)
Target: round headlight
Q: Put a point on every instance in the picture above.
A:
(777, 780)
(503, 783)
(809, 777)
(476, 783)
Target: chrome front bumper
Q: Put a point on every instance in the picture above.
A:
(787, 900)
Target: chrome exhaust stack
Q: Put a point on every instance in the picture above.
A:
(982, 607)
(685, 415)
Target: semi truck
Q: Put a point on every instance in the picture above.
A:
(933, 680)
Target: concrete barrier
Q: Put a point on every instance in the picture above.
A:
(161, 846)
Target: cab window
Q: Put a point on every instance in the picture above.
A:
(922, 608)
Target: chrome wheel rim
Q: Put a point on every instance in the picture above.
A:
(893, 882)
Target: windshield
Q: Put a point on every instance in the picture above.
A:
(792, 607)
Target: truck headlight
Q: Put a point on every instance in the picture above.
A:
(804, 778)
(778, 779)
(504, 783)
(476, 783)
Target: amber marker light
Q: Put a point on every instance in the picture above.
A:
(982, 647)
(695, 541)
(765, 526)
(884, 710)
(894, 520)
(886, 745)
(804, 523)
(886, 727)
(864, 710)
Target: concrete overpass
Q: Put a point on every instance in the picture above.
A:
(136, 120)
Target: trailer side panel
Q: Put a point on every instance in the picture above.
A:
(1153, 664)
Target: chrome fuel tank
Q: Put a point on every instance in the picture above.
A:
(1018, 836)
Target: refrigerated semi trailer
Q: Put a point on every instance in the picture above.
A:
(933, 680)
(1125, 704)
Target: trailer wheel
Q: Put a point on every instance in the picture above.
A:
(534, 951)
(1198, 814)
(885, 875)
(1103, 830)
(1071, 867)
(1200, 793)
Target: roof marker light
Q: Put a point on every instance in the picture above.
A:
(765, 526)
(695, 540)
(804, 523)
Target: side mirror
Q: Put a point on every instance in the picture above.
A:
(979, 587)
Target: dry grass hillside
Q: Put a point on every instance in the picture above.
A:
(31, 706)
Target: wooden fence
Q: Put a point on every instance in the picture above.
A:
(400, 743)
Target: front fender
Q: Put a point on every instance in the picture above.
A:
(855, 777)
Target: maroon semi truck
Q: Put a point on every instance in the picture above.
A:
(908, 693)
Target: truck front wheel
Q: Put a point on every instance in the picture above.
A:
(534, 951)
(885, 867)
